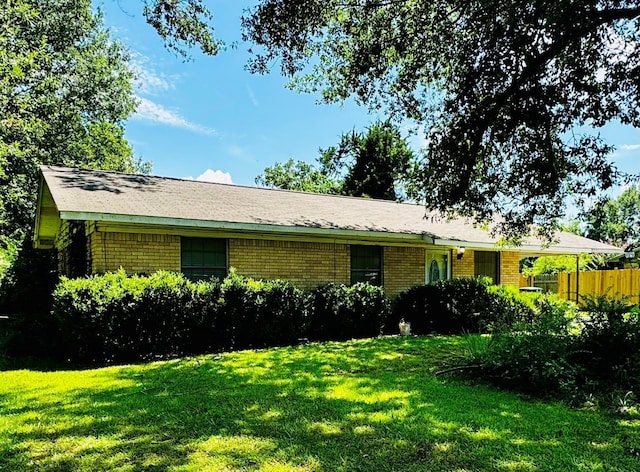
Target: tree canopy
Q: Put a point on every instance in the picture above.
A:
(65, 91)
(374, 164)
(504, 90)
(616, 220)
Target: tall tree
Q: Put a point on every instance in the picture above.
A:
(376, 161)
(374, 164)
(501, 87)
(300, 176)
(616, 220)
(65, 91)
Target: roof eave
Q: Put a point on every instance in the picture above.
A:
(246, 227)
(532, 249)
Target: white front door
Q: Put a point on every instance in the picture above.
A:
(438, 265)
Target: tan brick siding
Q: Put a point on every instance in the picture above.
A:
(510, 268)
(307, 264)
(403, 267)
(304, 263)
(464, 267)
(63, 242)
(134, 252)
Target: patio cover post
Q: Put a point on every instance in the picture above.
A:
(577, 278)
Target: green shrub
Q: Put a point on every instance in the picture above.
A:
(596, 352)
(340, 312)
(608, 346)
(536, 356)
(458, 305)
(120, 318)
(260, 313)
(25, 296)
(115, 317)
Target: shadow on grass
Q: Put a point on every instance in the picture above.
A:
(361, 406)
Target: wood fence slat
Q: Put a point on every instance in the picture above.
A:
(613, 283)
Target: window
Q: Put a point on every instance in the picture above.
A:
(203, 258)
(487, 264)
(437, 266)
(366, 264)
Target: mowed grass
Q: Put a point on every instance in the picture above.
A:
(371, 405)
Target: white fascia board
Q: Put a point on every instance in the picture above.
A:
(528, 248)
(252, 227)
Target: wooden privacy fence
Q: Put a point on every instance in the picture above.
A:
(613, 283)
(548, 283)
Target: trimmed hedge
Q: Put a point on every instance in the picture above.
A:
(458, 305)
(120, 318)
(257, 313)
(341, 312)
(115, 317)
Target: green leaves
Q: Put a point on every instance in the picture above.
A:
(500, 87)
(616, 220)
(374, 164)
(182, 25)
(65, 91)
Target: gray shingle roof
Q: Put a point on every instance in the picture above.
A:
(112, 196)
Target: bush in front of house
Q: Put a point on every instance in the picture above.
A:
(118, 318)
(340, 312)
(458, 305)
(260, 313)
(535, 357)
(608, 346)
(593, 353)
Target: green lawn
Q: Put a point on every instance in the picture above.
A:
(372, 405)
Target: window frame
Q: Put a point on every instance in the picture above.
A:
(187, 270)
(379, 271)
(496, 255)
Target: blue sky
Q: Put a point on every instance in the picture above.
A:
(210, 118)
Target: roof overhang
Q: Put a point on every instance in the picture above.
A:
(336, 233)
(530, 249)
(47, 218)
(246, 227)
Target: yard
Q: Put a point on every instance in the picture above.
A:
(371, 405)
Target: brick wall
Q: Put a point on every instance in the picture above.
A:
(62, 242)
(464, 267)
(510, 268)
(404, 267)
(73, 248)
(134, 252)
(305, 264)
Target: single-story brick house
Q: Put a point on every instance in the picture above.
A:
(101, 221)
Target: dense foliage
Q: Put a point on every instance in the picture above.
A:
(458, 305)
(343, 312)
(376, 164)
(561, 353)
(502, 88)
(119, 318)
(65, 91)
(617, 220)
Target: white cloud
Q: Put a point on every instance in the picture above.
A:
(252, 97)
(151, 111)
(147, 80)
(216, 176)
(629, 147)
